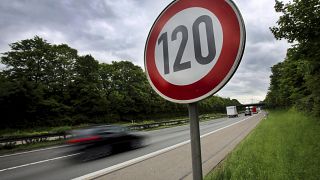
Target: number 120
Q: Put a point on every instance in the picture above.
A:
(178, 66)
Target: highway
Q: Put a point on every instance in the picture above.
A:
(58, 162)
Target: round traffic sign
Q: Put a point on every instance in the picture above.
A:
(194, 48)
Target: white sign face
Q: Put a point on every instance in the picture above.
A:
(193, 49)
(178, 35)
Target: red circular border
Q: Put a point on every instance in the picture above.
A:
(231, 44)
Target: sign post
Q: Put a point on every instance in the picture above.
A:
(195, 141)
(192, 51)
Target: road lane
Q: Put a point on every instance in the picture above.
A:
(176, 164)
(65, 169)
(38, 162)
(168, 135)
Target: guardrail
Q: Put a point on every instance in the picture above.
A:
(17, 140)
(158, 124)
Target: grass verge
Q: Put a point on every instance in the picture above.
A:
(284, 146)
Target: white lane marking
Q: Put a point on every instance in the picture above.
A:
(38, 162)
(55, 147)
(110, 169)
(204, 135)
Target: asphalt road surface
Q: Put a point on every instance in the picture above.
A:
(163, 146)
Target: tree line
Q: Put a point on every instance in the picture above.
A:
(45, 84)
(296, 80)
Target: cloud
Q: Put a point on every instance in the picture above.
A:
(251, 81)
(117, 30)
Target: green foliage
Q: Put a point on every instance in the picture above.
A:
(299, 22)
(296, 80)
(47, 85)
(283, 146)
(217, 104)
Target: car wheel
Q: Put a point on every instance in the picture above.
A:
(86, 156)
(134, 144)
(95, 153)
(107, 150)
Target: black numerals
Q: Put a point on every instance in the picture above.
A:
(210, 40)
(164, 38)
(177, 65)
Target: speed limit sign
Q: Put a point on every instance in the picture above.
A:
(193, 49)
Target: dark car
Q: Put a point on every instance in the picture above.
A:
(247, 112)
(99, 141)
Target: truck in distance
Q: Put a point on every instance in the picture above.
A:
(232, 111)
(254, 109)
(247, 112)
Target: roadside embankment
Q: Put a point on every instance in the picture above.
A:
(284, 146)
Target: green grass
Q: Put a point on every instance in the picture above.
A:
(286, 145)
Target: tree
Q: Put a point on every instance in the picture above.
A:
(87, 99)
(300, 73)
(27, 60)
(60, 70)
(299, 22)
(87, 70)
(39, 74)
(51, 85)
(125, 85)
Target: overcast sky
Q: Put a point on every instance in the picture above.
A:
(113, 30)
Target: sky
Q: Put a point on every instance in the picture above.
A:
(115, 30)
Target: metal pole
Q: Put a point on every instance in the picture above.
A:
(195, 141)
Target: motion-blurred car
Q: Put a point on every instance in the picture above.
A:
(100, 141)
(247, 112)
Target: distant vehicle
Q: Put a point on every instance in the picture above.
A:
(254, 109)
(258, 109)
(232, 111)
(247, 112)
(100, 141)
